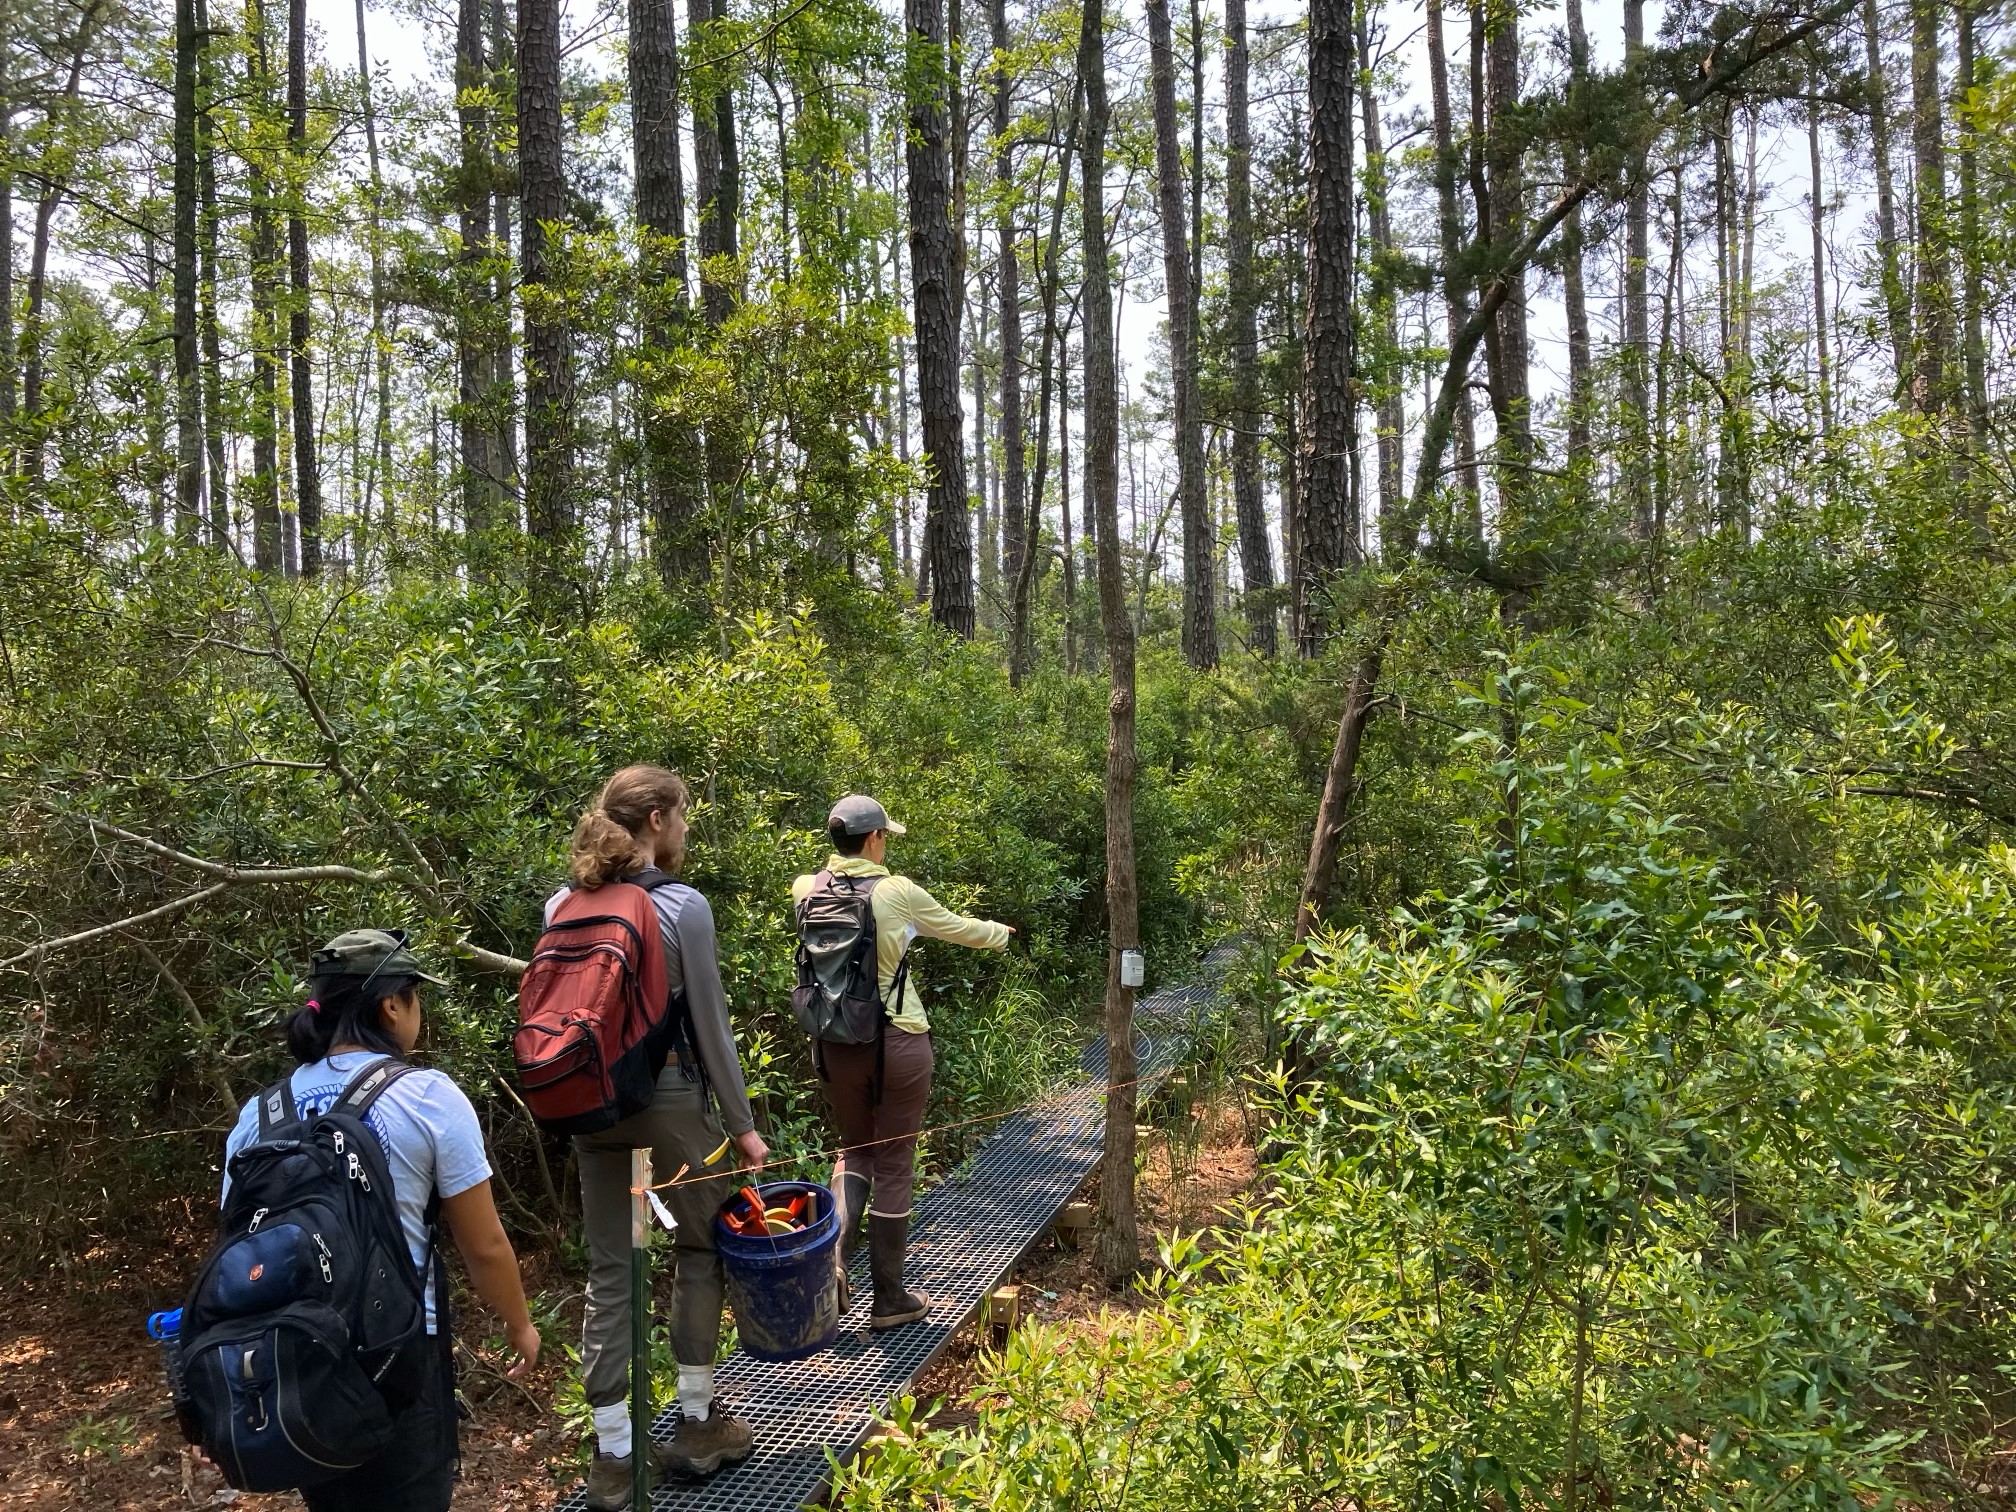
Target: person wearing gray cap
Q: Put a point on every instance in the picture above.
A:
(878, 1090)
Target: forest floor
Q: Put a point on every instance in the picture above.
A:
(84, 1421)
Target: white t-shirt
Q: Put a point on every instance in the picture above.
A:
(425, 1123)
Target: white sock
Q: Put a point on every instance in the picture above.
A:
(696, 1391)
(612, 1429)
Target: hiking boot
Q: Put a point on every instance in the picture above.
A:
(609, 1481)
(702, 1446)
(893, 1306)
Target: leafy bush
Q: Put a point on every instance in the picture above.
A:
(1607, 1181)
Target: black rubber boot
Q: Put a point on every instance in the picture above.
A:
(850, 1202)
(893, 1307)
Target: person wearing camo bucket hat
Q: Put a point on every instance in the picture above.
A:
(364, 1016)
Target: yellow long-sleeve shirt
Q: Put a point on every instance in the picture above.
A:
(903, 911)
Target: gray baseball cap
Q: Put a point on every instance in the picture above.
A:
(862, 815)
(370, 953)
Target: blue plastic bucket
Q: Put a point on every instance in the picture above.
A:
(786, 1302)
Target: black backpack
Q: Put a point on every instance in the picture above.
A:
(302, 1334)
(837, 1000)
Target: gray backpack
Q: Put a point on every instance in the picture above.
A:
(837, 1000)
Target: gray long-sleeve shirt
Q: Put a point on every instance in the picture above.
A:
(693, 966)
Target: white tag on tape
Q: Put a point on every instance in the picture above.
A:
(664, 1213)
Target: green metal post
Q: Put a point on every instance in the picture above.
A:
(640, 1330)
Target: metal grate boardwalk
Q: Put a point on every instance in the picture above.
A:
(967, 1235)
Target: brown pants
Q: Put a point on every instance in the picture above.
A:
(879, 1140)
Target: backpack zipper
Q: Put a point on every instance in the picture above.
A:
(328, 1278)
(258, 1218)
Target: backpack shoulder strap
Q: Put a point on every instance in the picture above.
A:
(367, 1086)
(651, 879)
(276, 1110)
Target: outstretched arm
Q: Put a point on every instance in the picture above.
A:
(930, 917)
(493, 1267)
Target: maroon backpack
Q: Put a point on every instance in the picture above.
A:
(595, 1019)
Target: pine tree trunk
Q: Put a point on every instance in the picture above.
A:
(1896, 304)
(482, 469)
(717, 212)
(1932, 386)
(502, 66)
(1065, 542)
(379, 475)
(948, 539)
(1397, 534)
(1817, 205)
(10, 375)
(1017, 536)
(1972, 277)
(671, 446)
(267, 543)
(307, 469)
(206, 235)
(54, 190)
(1327, 524)
(1256, 555)
(1637, 307)
(1200, 626)
(549, 336)
(1580, 362)
(1505, 184)
(189, 447)
(1119, 1227)
(1455, 294)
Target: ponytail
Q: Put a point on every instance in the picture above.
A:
(337, 1013)
(605, 838)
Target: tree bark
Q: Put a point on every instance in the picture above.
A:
(483, 470)
(379, 475)
(1972, 278)
(1017, 534)
(1637, 306)
(1896, 305)
(1580, 363)
(1327, 524)
(671, 446)
(503, 401)
(189, 447)
(948, 531)
(1200, 626)
(1932, 386)
(1119, 1230)
(1340, 782)
(307, 469)
(1824, 385)
(268, 554)
(717, 213)
(206, 232)
(549, 335)
(1396, 532)
(10, 375)
(1455, 293)
(1505, 203)
(1256, 555)
(55, 187)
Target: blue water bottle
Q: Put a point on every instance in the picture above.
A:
(165, 1329)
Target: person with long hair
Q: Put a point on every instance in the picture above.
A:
(635, 832)
(364, 1007)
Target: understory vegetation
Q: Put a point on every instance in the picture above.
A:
(1653, 1149)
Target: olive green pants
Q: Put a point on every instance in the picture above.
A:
(680, 1128)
